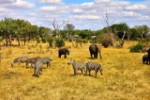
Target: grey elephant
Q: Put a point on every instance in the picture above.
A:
(63, 51)
(94, 50)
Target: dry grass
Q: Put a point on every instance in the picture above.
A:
(124, 78)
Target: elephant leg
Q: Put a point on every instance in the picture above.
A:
(91, 55)
(47, 64)
(59, 55)
(95, 56)
(65, 56)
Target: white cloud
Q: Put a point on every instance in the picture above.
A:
(84, 17)
(130, 14)
(20, 4)
(79, 11)
(7, 1)
(3, 10)
(49, 8)
(51, 1)
(103, 1)
(137, 7)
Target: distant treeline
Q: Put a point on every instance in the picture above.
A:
(22, 30)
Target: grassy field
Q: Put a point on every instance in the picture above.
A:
(124, 76)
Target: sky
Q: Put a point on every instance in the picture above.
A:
(83, 14)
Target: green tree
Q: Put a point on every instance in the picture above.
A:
(69, 27)
(142, 30)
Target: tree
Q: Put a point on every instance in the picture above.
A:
(142, 30)
(57, 27)
(69, 27)
(108, 30)
(120, 30)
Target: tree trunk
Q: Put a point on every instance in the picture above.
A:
(29, 37)
(24, 40)
(9, 40)
(6, 41)
(18, 39)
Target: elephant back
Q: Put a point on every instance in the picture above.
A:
(93, 47)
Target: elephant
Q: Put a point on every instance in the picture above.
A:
(145, 59)
(63, 51)
(94, 50)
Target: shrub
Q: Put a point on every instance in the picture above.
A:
(78, 42)
(38, 39)
(43, 39)
(50, 41)
(106, 40)
(136, 48)
(120, 43)
(59, 42)
(85, 41)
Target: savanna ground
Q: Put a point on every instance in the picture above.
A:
(124, 76)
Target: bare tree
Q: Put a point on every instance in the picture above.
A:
(57, 27)
(108, 29)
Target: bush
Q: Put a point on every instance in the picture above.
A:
(59, 42)
(137, 48)
(44, 40)
(106, 40)
(85, 41)
(38, 39)
(120, 43)
(50, 41)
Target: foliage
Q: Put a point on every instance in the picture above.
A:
(38, 39)
(44, 39)
(59, 42)
(22, 30)
(120, 43)
(136, 48)
(142, 30)
(50, 41)
(69, 27)
(84, 34)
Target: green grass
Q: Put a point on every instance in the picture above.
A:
(124, 76)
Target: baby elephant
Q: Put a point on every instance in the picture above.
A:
(93, 66)
(145, 59)
(63, 51)
(19, 60)
(77, 66)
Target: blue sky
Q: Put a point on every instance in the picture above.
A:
(83, 14)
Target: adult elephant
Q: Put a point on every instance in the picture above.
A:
(94, 50)
(63, 51)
